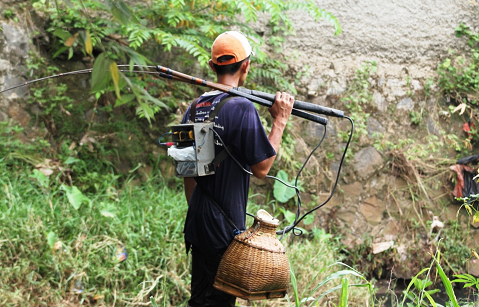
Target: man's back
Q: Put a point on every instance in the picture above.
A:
(238, 124)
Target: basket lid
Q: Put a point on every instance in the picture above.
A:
(264, 216)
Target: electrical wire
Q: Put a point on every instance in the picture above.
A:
(298, 219)
(337, 176)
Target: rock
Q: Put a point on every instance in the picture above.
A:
(473, 267)
(405, 104)
(432, 128)
(16, 112)
(416, 85)
(372, 209)
(17, 40)
(346, 216)
(391, 229)
(4, 65)
(475, 235)
(10, 81)
(366, 161)
(382, 246)
(335, 89)
(395, 88)
(314, 86)
(374, 127)
(315, 131)
(380, 102)
(352, 190)
(3, 116)
(257, 181)
(334, 167)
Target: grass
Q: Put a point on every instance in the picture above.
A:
(54, 255)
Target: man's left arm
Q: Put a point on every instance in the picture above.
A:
(190, 185)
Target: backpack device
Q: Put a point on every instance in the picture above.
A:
(193, 145)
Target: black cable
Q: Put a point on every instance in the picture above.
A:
(298, 212)
(337, 177)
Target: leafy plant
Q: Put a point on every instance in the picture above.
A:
(281, 192)
(113, 32)
(416, 117)
(467, 279)
(359, 95)
(307, 296)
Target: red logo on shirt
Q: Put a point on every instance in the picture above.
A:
(203, 104)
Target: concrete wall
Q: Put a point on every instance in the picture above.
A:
(398, 34)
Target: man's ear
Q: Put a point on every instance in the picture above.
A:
(245, 66)
(210, 63)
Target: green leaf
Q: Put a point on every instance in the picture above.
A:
(74, 195)
(308, 219)
(61, 33)
(412, 282)
(71, 160)
(108, 211)
(61, 50)
(124, 99)
(343, 302)
(431, 300)
(294, 284)
(51, 239)
(121, 11)
(100, 75)
(288, 215)
(69, 4)
(447, 284)
(281, 192)
(40, 177)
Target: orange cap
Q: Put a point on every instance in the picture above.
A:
(231, 43)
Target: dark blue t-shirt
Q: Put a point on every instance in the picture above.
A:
(238, 124)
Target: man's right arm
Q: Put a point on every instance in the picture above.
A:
(280, 111)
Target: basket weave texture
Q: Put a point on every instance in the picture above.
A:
(255, 265)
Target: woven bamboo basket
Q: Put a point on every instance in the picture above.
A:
(255, 265)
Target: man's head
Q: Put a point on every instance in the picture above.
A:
(230, 54)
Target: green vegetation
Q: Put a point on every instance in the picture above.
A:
(357, 97)
(112, 32)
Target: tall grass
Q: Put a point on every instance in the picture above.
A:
(54, 255)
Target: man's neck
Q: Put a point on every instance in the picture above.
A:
(231, 80)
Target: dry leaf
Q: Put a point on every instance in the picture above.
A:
(69, 42)
(461, 107)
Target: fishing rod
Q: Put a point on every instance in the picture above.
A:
(261, 98)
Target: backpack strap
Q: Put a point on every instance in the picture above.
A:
(193, 110)
(211, 117)
(213, 113)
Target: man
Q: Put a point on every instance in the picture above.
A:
(207, 230)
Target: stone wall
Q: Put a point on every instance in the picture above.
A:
(407, 39)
